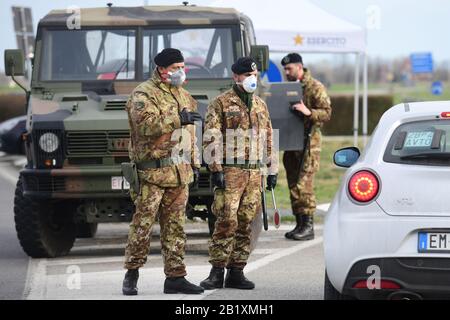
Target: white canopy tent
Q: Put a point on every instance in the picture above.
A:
(300, 26)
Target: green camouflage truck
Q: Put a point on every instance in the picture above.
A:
(85, 66)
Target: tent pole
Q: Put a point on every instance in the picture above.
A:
(356, 102)
(365, 99)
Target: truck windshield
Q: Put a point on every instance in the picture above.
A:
(208, 52)
(77, 55)
(109, 54)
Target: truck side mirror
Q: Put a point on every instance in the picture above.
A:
(261, 55)
(14, 63)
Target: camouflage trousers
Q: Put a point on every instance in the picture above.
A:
(170, 203)
(235, 209)
(301, 182)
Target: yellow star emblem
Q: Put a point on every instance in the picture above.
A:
(298, 40)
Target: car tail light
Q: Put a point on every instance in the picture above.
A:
(364, 186)
(445, 115)
(384, 285)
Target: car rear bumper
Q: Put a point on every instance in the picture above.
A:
(419, 278)
(368, 233)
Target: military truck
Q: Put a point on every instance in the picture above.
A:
(77, 129)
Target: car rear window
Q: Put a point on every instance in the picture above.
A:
(420, 143)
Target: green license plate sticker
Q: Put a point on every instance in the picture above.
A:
(419, 139)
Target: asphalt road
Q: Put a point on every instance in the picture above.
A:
(280, 268)
(13, 262)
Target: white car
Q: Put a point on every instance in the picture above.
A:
(387, 233)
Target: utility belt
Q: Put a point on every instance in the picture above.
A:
(130, 169)
(160, 163)
(243, 164)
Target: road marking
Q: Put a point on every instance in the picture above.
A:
(324, 207)
(20, 162)
(253, 266)
(107, 284)
(265, 251)
(8, 175)
(36, 278)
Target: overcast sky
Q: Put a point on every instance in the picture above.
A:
(404, 26)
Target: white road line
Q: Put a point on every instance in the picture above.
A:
(20, 162)
(107, 284)
(324, 207)
(8, 175)
(253, 266)
(36, 281)
(84, 261)
(265, 251)
(121, 246)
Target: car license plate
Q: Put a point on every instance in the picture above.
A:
(434, 242)
(116, 183)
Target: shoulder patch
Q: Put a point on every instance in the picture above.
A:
(138, 104)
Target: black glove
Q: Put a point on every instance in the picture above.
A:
(189, 117)
(196, 176)
(271, 182)
(218, 179)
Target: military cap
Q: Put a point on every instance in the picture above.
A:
(292, 58)
(244, 65)
(168, 57)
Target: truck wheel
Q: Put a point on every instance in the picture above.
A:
(86, 230)
(44, 229)
(330, 292)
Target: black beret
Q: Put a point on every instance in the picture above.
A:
(292, 58)
(244, 65)
(168, 57)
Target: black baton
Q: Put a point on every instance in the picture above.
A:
(264, 207)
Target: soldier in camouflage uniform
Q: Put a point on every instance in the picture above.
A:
(316, 110)
(160, 112)
(236, 174)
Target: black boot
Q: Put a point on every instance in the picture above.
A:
(298, 219)
(181, 285)
(215, 279)
(235, 279)
(129, 287)
(307, 231)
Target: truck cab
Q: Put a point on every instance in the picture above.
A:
(77, 128)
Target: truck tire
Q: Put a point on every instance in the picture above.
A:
(86, 230)
(44, 229)
(330, 292)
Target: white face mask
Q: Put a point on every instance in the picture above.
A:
(250, 84)
(177, 78)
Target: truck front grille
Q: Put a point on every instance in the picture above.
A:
(44, 184)
(97, 142)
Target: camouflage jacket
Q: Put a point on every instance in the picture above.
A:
(229, 112)
(318, 102)
(153, 114)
